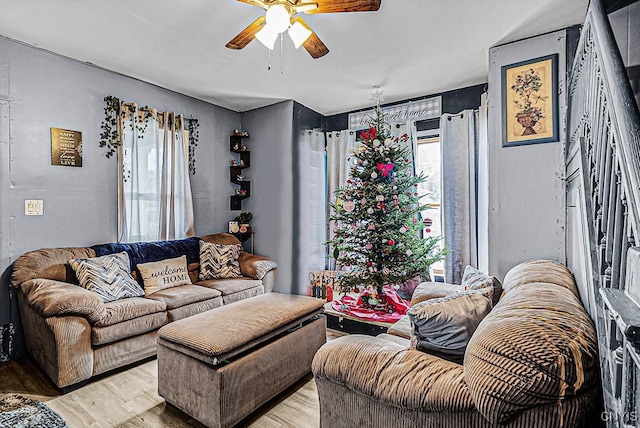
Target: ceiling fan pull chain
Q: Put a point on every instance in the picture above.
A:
(281, 54)
(269, 60)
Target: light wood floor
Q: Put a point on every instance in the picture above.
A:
(129, 398)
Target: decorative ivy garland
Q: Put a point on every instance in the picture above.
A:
(110, 138)
(194, 136)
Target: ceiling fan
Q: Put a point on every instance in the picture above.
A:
(281, 16)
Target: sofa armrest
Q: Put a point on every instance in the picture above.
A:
(393, 374)
(255, 266)
(55, 298)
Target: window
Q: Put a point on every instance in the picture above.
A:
(155, 200)
(429, 163)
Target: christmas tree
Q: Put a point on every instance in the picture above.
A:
(377, 215)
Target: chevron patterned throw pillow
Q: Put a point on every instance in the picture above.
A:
(219, 261)
(107, 276)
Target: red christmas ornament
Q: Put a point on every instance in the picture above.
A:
(391, 242)
(348, 181)
(356, 290)
(369, 264)
(428, 230)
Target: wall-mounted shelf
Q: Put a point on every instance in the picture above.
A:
(237, 146)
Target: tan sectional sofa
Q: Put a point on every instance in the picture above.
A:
(531, 362)
(73, 335)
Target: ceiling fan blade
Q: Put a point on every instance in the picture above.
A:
(259, 3)
(247, 35)
(313, 44)
(332, 6)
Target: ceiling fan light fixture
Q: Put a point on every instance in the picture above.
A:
(278, 18)
(267, 36)
(299, 34)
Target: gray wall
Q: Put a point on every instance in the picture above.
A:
(46, 90)
(526, 185)
(625, 23)
(271, 174)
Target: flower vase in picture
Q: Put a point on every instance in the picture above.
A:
(527, 122)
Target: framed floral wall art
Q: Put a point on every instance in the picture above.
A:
(530, 101)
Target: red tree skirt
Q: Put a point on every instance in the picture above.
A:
(352, 306)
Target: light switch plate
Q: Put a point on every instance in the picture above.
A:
(33, 207)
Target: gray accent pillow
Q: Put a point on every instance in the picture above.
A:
(107, 276)
(473, 279)
(219, 261)
(443, 326)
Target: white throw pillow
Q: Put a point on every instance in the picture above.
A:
(167, 273)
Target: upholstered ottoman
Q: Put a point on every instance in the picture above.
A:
(221, 365)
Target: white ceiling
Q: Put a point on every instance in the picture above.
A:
(409, 48)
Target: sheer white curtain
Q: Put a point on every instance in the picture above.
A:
(339, 147)
(313, 220)
(154, 191)
(408, 128)
(340, 144)
(458, 135)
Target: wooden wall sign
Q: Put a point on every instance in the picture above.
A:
(66, 147)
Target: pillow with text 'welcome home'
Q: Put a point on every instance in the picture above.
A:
(167, 273)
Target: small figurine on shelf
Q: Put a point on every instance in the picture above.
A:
(241, 162)
(241, 192)
(240, 177)
(236, 147)
(243, 148)
(240, 133)
(234, 163)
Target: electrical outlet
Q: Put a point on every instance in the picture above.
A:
(33, 207)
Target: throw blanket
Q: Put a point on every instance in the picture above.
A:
(144, 252)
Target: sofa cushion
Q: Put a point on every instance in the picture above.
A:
(129, 328)
(219, 261)
(537, 347)
(108, 276)
(166, 273)
(127, 309)
(433, 290)
(443, 326)
(402, 328)
(535, 271)
(230, 285)
(176, 297)
(473, 279)
(144, 252)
